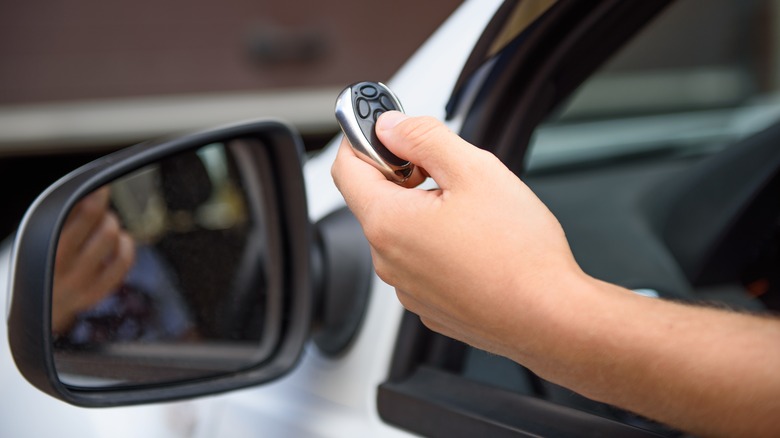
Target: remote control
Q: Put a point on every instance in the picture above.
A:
(357, 109)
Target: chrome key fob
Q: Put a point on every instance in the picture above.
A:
(357, 109)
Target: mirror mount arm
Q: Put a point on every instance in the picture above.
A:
(343, 271)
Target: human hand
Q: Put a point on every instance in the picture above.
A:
(93, 256)
(479, 259)
(482, 260)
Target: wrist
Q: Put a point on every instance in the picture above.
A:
(553, 310)
(573, 318)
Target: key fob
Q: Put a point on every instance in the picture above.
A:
(357, 109)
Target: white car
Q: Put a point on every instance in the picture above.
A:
(251, 307)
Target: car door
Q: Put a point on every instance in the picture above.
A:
(641, 165)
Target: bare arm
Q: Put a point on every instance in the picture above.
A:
(704, 370)
(482, 260)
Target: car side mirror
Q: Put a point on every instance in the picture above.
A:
(166, 270)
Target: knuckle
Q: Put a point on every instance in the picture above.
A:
(90, 208)
(432, 325)
(111, 227)
(405, 300)
(384, 272)
(376, 236)
(127, 249)
(376, 230)
(94, 204)
(335, 172)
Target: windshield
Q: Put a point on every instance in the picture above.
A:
(702, 75)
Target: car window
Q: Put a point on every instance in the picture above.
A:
(700, 76)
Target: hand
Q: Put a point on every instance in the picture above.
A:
(469, 256)
(482, 260)
(93, 256)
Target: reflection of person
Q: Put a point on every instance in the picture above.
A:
(93, 256)
(482, 260)
(108, 289)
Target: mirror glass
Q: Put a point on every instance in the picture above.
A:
(168, 273)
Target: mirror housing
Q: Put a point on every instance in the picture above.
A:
(277, 153)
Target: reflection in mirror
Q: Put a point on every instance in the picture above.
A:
(167, 273)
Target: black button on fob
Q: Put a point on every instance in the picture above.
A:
(357, 109)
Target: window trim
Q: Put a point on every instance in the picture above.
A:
(530, 78)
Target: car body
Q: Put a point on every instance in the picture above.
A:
(615, 179)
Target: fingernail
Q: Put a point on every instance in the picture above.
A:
(390, 119)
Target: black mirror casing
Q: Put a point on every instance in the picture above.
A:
(30, 309)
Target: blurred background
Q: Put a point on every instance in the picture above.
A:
(81, 78)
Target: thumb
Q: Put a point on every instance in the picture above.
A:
(428, 143)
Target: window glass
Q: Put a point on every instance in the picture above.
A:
(703, 74)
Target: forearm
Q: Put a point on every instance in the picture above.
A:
(703, 370)
(482, 260)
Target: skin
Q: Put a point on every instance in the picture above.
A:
(482, 260)
(93, 256)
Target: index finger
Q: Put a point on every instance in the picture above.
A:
(85, 216)
(359, 182)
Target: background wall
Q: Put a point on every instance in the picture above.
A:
(81, 78)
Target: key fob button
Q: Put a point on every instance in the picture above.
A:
(363, 108)
(386, 103)
(368, 90)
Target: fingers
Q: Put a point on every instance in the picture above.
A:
(428, 143)
(94, 254)
(114, 268)
(434, 149)
(418, 176)
(85, 285)
(80, 224)
(94, 273)
(359, 182)
(101, 245)
(98, 252)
